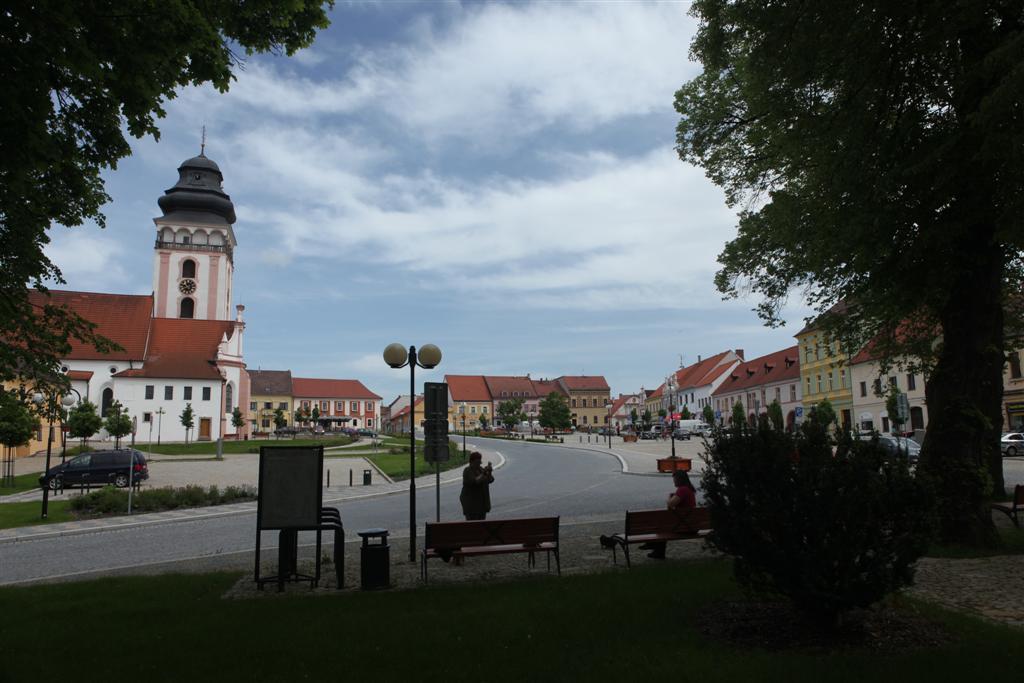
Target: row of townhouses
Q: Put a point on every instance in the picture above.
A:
(473, 400)
(330, 404)
(799, 377)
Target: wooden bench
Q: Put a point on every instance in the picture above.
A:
(1015, 509)
(646, 526)
(492, 537)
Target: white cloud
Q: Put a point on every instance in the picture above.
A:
(90, 259)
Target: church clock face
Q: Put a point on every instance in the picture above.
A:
(187, 286)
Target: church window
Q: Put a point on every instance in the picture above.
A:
(229, 398)
(168, 393)
(188, 308)
(149, 392)
(188, 393)
(206, 393)
(147, 417)
(106, 401)
(188, 268)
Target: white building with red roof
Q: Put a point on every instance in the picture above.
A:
(182, 344)
(339, 402)
(692, 386)
(757, 383)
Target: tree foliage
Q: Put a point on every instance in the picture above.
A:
(873, 150)
(510, 413)
(75, 77)
(279, 420)
(118, 423)
(84, 421)
(16, 420)
(554, 412)
(739, 415)
(830, 531)
(187, 419)
(709, 415)
(775, 414)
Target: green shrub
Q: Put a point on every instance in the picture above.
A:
(830, 532)
(110, 500)
(154, 500)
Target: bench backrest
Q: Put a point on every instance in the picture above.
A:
(1018, 496)
(529, 531)
(682, 521)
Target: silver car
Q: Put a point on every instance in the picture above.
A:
(1012, 444)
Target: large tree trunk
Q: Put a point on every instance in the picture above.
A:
(964, 394)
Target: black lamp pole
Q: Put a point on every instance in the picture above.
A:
(397, 357)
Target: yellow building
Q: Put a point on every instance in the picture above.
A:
(469, 398)
(652, 403)
(270, 390)
(825, 371)
(589, 396)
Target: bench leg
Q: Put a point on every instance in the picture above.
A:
(558, 562)
(625, 551)
(339, 557)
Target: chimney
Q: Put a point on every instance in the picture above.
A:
(739, 352)
(698, 357)
(239, 318)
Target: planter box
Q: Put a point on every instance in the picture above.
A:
(629, 438)
(674, 464)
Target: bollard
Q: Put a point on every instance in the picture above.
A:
(350, 477)
(581, 439)
(328, 479)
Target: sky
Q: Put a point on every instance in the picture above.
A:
(498, 179)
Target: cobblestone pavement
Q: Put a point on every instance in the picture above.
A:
(989, 587)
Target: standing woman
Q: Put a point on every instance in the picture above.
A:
(476, 488)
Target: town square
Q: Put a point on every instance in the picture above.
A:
(490, 340)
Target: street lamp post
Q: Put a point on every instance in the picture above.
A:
(462, 411)
(397, 357)
(160, 423)
(63, 433)
(608, 423)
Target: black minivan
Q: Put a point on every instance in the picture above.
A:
(98, 468)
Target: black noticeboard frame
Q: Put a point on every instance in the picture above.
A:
(289, 500)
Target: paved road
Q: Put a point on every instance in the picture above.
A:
(536, 480)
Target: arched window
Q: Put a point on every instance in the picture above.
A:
(188, 308)
(188, 268)
(916, 418)
(106, 401)
(229, 398)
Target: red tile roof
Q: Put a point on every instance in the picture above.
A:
(543, 388)
(502, 386)
(467, 388)
(183, 348)
(305, 387)
(270, 382)
(657, 392)
(584, 383)
(620, 402)
(697, 375)
(778, 366)
(122, 318)
(80, 375)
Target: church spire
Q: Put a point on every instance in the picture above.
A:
(202, 143)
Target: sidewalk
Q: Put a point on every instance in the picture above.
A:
(640, 457)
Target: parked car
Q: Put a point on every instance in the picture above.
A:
(1012, 444)
(894, 445)
(681, 433)
(98, 468)
(366, 432)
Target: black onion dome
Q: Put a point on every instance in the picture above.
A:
(198, 194)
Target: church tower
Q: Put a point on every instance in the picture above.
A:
(194, 259)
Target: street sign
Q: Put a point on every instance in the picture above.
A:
(718, 414)
(435, 426)
(902, 408)
(799, 411)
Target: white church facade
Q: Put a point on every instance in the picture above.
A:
(182, 344)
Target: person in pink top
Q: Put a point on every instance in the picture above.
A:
(685, 496)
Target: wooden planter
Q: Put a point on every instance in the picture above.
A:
(673, 464)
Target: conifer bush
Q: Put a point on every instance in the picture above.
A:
(831, 525)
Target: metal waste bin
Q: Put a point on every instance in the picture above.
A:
(366, 477)
(374, 560)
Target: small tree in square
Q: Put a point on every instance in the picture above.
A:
(84, 421)
(554, 412)
(237, 420)
(685, 414)
(279, 420)
(709, 415)
(118, 423)
(510, 413)
(188, 419)
(775, 414)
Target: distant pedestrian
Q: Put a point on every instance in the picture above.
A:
(476, 488)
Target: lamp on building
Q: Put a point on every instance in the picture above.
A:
(397, 357)
(52, 406)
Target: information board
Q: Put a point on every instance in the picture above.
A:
(290, 487)
(435, 427)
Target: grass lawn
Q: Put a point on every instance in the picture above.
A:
(22, 482)
(615, 626)
(27, 514)
(210, 447)
(396, 465)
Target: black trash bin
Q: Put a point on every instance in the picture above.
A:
(374, 560)
(366, 477)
